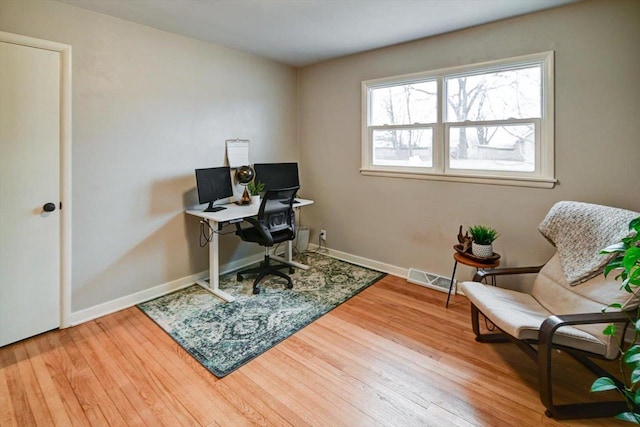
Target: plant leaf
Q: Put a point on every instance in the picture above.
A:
(608, 268)
(610, 329)
(635, 358)
(629, 417)
(632, 355)
(603, 384)
(616, 247)
(631, 257)
(632, 350)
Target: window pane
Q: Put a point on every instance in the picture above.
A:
(498, 95)
(493, 148)
(403, 147)
(404, 104)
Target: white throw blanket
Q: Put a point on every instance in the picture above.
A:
(580, 231)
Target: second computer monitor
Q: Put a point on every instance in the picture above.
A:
(277, 175)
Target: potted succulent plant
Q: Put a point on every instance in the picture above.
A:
(483, 237)
(255, 187)
(626, 263)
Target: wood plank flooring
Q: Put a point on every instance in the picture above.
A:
(390, 356)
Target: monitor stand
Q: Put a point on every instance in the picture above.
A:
(212, 208)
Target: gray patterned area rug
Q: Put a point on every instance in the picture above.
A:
(224, 336)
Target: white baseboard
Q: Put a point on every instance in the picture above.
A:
(364, 262)
(121, 303)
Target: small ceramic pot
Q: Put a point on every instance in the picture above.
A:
(482, 251)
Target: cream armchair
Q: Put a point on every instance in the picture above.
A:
(563, 310)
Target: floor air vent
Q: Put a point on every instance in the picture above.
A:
(433, 281)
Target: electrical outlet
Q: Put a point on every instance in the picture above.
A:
(323, 234)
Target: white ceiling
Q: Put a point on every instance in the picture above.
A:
(302, 32)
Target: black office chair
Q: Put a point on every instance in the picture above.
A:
(275, 223)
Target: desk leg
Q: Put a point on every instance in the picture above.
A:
(214, 268)
(288, 259)
(453, 275)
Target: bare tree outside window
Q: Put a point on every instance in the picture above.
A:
(492, 120)
(404, 107)
(495, 96)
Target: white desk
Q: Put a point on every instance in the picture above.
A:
(234, 212)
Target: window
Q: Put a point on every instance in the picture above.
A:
(490, 122)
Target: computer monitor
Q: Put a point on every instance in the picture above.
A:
(277, 175)
(213, 184)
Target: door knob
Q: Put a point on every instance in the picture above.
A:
(49, 207)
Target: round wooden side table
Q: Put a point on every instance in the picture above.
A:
(459, 258)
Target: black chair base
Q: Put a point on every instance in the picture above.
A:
(265, 269)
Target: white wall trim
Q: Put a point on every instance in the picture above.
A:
(122, 303)
(364, 262)
(133, 299)
(65, 162)
(127, 301)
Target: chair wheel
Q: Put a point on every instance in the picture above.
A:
(256, 291)
(239, 277)
(289, 285)
(291, 270)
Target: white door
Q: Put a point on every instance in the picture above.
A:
(29, 179)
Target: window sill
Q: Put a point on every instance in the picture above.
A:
(488, 179)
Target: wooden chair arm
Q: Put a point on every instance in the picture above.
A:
(545, 346)
(482, 274)
(552, 323)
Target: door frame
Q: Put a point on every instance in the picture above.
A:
(65, 162)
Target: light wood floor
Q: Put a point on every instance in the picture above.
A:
(392, 355)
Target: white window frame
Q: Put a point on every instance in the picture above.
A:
(542, 177)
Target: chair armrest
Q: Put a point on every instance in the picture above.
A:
(552, 323)
(545, 347)
(482, 274)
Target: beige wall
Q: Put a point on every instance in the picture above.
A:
(413, 223)
(148, 108)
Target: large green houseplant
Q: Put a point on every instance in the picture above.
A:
(627, 263)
